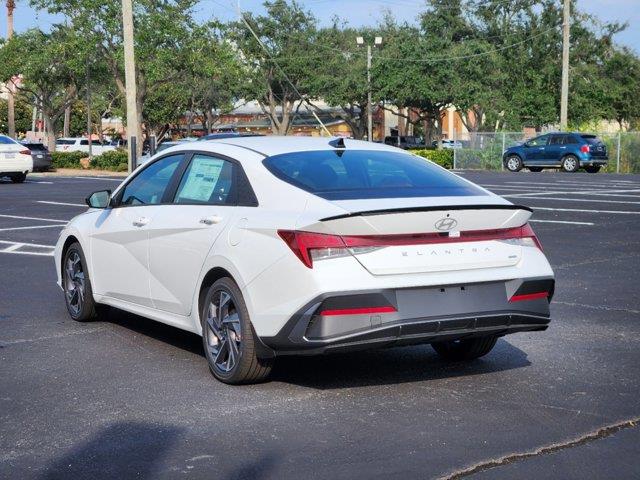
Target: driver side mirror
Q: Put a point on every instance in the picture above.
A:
(99, 199)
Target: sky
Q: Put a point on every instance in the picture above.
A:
(357, 12)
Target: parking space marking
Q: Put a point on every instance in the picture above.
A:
(21, 248)
(594, 200)
(34, 218)
(624, 212)
(101, 178)
(562, 221)
(62, 203)
(38, 181)
(34, 227)
(586, 192)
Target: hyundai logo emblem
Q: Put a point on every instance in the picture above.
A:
(446, 224)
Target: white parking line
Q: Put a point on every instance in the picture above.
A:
(63, 203)
(33, 218)
(594, 200)
(627, 212)
(563, 221)
(586, 192)
(38, 181)
(35, 227)
(101, 178)
(15, 248)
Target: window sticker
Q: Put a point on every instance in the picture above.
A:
(201, 180)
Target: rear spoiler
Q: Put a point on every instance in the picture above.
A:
(427, 209)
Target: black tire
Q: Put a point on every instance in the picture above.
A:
(220, 338)
(465, 350)
(570, 164)
(18, 177)
(85, 309)
(513, 163)
(592, 168)
(535, 169)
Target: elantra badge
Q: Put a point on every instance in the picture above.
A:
(446, 224)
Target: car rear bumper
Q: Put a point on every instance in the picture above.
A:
(359, 320)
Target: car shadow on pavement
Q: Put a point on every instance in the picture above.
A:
(390, 366)
(121, 450)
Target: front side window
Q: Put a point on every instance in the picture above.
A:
(148, 187)
(208, 180)
(63, 141)
(363, 174)
(84, 142)
(539, 141)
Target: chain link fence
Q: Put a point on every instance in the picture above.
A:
(483, 151)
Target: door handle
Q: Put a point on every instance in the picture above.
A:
(213, 219)
(141, 222)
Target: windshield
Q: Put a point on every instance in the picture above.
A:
(362, 174)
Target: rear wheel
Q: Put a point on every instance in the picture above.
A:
(535, 169)
(470, 349)
(230, 344)
(513, 163)
(592, 168)
(18, 177)
(570, 164)
(77, 285)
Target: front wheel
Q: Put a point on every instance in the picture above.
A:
(513, 163)
(461, 350)
(77, 285)
(230, 344)
(592, 168)
(570, 164)
(18, 177)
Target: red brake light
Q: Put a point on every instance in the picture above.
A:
(25, 152)
(302, 244)
(584, 148)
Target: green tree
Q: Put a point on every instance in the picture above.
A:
(23, 115)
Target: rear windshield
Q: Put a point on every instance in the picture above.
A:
(592, 139)
(362, 174)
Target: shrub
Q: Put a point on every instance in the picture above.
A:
(443, 157)
(67, 159)
(114, 160)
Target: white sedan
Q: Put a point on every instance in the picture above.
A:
(270, 246)
(15, 160)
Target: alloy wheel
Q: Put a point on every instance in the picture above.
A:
(74, 283)
(513, 163)
(224, 331)
(570, 164)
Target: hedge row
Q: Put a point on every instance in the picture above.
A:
(443, 157)
(114, 160)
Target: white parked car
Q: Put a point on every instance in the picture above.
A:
(79, 144)
(271, 246)
(15, 160)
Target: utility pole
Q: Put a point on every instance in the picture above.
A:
(130, 83)
(377, 42)
(11, 113)
(89, 129)
(564, 94)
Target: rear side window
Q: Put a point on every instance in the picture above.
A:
(570, 140)
(363, 174)
(208, 180)
(4, 140)
(556, 140)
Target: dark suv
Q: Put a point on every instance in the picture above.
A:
(568, 151)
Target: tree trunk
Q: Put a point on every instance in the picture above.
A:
(51, 133)
(67, 119)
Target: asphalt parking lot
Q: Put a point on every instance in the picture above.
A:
(125, 397)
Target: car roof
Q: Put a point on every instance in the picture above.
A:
(277, 145)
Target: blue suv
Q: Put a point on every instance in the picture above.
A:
(568, 151)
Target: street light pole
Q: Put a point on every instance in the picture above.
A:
(11, 116)
(130, 83)
(564, 93)
(377, 42)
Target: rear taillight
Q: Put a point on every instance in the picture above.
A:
(528, 296)
(25, 152)
(309, 246)
(584, 148)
